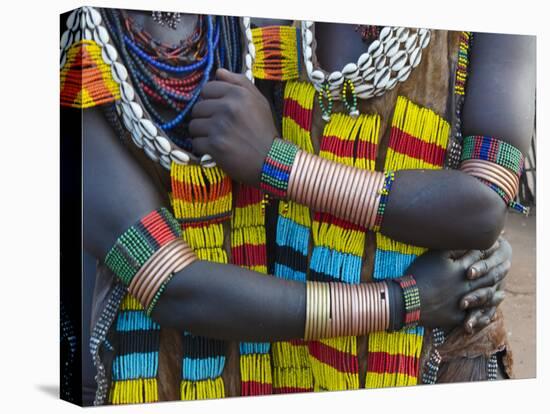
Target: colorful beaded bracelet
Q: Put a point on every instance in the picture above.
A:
(137, 244)
(411, 298)
(384, 194)
(277, 166)
(493, 150)
(505, 156)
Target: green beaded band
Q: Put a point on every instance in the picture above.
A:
(494, 150)
(277, 166)
(137, 244)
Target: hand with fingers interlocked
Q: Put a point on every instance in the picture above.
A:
(461, 287)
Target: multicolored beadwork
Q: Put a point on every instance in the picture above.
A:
(85, 79)
(411, 299)
(351, 107)
(384, 195)
(202, 201)
(429, 376)
(338, 246)
(137, 244)
(278, 51)
(248, 249)
(493, 150)
(325, 93)
(291, 364)
(418, 139)
(277, 166)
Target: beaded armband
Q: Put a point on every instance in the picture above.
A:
(277, 166)
(147, 255)
(384, 194)
(411, 299)
(495, 163)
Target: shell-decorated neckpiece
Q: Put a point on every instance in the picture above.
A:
(387, 61)
(86, 23)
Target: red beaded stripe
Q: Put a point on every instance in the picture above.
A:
(414, 147)
(385, 363)
(290, 390)
(255, 388)
(333, 220)
(251, 254)
(341, 361)
(297, 113)
(157, 227)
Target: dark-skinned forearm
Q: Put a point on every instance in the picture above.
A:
(229, 302)
(443, 209)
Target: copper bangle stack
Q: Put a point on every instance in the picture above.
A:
(330, 187)
(340, 309)
(493, 173)
(169, 259)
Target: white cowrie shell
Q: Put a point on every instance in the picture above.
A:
(163, 145)
(317, 76)
(309, 37)
(137, 111)
(150, 152)
(414, 57)
(137, 136)
(148, 143)
(391, 47)
(127, 92)
(369, 74)
(402, 34)
(64, 41)
(385, 33)
(63, 60)
(73, 19)
(206, 158)
(95, 16)
(180, 157)
(249, 75)
(411, 42)
(398, 60)
(309, 68)
(380, 62)
(364, 88)
(77, 36)
(101, 36)
(249, 35)
(335, 77)
(381, 78)
(165, 161)
(248, 60)
(376, 49)
(308, 52)
(350, 70)
(252, 50)
(308, 24)
(88, 34)
(109, 54)
(120, 73)
(246, 22)
(126, 119)
(404, 73)
(149, 129)
(364, 61)
(424, 40)
(391, 83)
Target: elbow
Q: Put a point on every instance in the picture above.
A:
(487, 219)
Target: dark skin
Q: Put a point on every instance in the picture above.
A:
(123, 208)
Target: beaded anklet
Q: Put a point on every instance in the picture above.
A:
(411, 297)
(495, 163)
(277, 166)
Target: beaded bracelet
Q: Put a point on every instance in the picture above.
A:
(496, 164)
(339, 309)
(137, 244)
(411, 297)
(277, 166)
(147, 255)
(384, 195)
(493, 150)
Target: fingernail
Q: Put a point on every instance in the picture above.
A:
(472, 273)
(465, 304)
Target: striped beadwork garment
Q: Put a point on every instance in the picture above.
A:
(201, 198)
(339, 246)
(463, 62)
(291, 365)
(418, 140)
(248, 249)
(277, 52)
(135, 366)
(85, 78)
